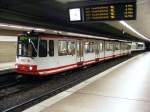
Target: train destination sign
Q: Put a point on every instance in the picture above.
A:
(119, 11)
(110, 12)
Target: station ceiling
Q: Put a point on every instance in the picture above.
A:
(54, 14)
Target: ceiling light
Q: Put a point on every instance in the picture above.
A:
(4, 25)
(26, 28)
(55, 31)
(15, 26)
(59, 32)
(39, 29)
(132, 29)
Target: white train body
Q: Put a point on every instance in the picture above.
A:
(137, 46)
(49, 54)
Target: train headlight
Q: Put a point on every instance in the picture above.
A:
(16, 66)
(30, 67)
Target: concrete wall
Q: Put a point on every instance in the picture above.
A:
(7, 51)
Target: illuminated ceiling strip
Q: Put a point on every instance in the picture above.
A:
(21, 27)
(133, 30)
(18, 27)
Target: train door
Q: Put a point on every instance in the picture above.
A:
(80, 57)
(101, 49)
(97, 47)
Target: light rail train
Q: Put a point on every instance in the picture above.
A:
(46, 54)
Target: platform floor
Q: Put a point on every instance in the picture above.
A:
(126, 88)
(7, 67)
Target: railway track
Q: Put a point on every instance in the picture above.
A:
(10, 82)
(7, 78)
(7, 85)
(13, 89)
(45, 88)
(18, 85)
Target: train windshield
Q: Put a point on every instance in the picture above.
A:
(27, 46)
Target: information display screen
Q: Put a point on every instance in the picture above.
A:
(103, 12)
(110, 12)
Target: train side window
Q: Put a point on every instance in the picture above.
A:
(122, 46)
(43, 48)
(97, 47)
(71, 48)
(129, 46)
(86, 47)
(92, 47)
(109, 46)
(89, 47)
(62, 48)
(117, 46)
(51, 48)
(79, 47)
(101, 47)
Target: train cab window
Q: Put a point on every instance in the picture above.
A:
(43, 48)
(89, 47)
(62, 48)
(71, 48)
(51, 48)
(27, 46)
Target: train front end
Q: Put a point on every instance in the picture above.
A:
(27, 46)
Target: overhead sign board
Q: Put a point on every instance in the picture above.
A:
(75, 14)
(102, 12)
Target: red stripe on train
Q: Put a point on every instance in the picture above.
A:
(56, 69)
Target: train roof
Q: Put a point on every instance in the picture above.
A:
(70, 34)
